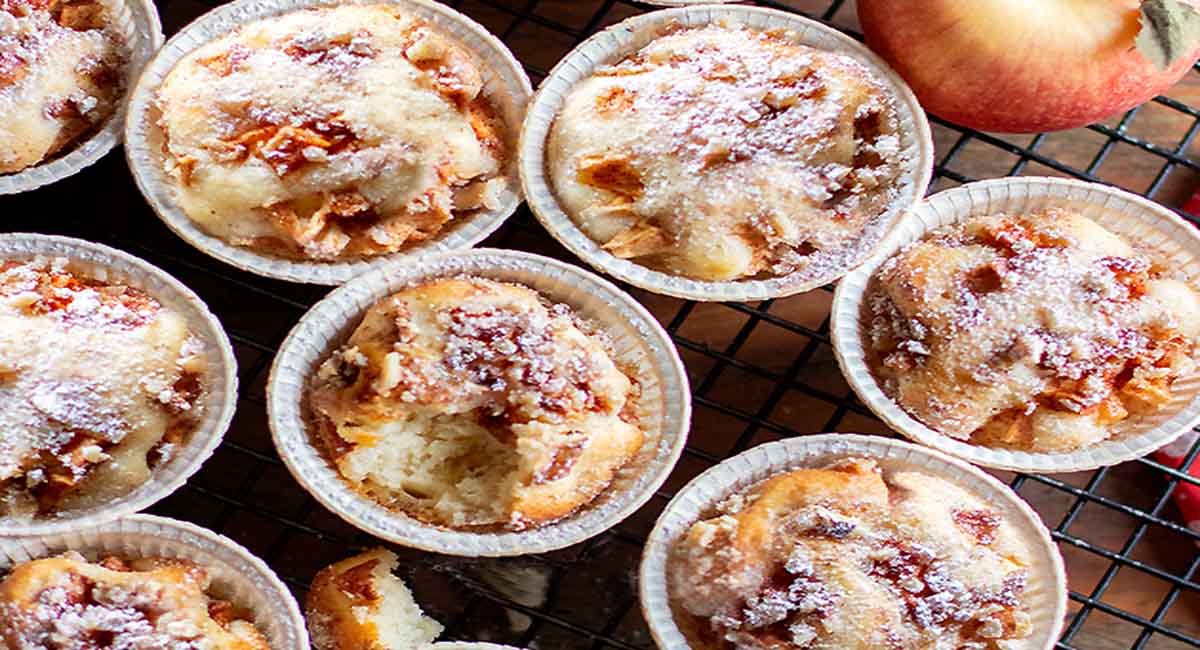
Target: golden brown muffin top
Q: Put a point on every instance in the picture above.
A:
(725, 153)
(1038, 331)
(497, 376)
(382, 135)
(98, 381)
(849, 556)
(154, 603)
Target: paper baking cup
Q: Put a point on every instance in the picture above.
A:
(1046, 593)
(639, 344)
(237, 576)
(625, 38)
(1143, 224)
(220, 380)
(505, 82)
(137, 22)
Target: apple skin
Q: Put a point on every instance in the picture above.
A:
(1019, 66)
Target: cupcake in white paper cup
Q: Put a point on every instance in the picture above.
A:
(845, 540)
(1030, 324)
(116, 384)
(480, 403)
(63, 98)
(311, 140)
(723, 153)
(212, 588)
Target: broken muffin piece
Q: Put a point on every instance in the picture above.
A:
(359, 604)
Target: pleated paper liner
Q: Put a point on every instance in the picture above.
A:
(137, 22)
(1143, 224)
(237, 576)
(505, 83)
(1045, 594)
(625, 38)
(638, 344)
(220, 380)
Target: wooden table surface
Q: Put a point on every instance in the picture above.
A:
(244, 492)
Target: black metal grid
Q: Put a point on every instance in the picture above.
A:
(1132, 564)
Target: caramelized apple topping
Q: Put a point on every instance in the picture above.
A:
(288, 147)
(1072, 323)
(617, 175)
(80, 15)
(358, 582)
(642, 238)
(454, 75)
(224, 63)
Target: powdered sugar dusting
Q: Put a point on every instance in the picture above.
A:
(89, 372)
(851, 556)
(60, 76)
(83, 606)
(488, 378)
(379, 137)
(1048, 321)
(725, 153)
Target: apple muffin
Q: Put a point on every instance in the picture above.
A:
(359, 604)
(60, 76)
(121, 603)
(331, 133)
(726, 153)
(1037, 332)
(852, 556)
(473, 404)
(99, 382)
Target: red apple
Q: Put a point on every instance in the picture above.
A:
(1021, 66)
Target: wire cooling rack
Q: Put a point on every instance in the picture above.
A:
(759, 372)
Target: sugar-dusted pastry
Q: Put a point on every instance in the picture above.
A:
(1035, 331)
(98, 383)
(725, 153)
(358, 604)
(153, 603)
(466, 402)
(331, 132)
(851, 557)
(60, 76)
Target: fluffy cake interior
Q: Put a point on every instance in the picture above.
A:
(398, 618)
(466, 402)
(444, 463)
